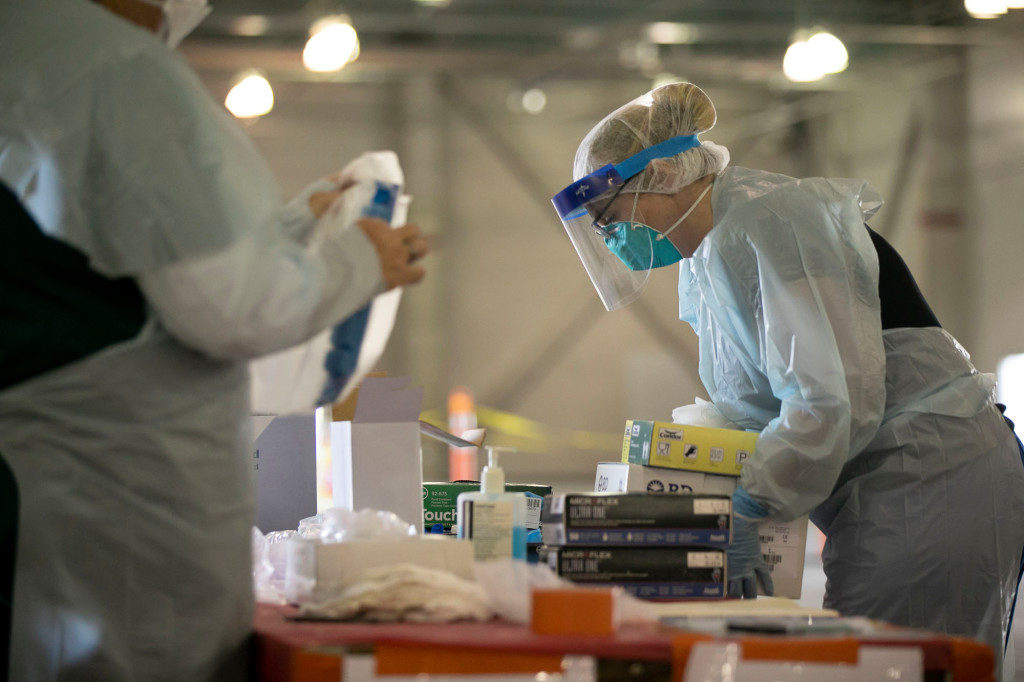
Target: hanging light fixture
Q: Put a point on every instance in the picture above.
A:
(800, 64)
(830, 51)
(814, 54)
(251, 96)
(986, 9)
(332, 44)
(534, 101)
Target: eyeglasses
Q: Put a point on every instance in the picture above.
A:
(598, 228)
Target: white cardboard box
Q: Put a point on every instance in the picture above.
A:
(378, 466)
(314, 566)
(781, 543)
(375, 455)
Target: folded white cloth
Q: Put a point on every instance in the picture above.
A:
(404, 592)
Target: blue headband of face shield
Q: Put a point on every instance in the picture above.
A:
(589, 187)
(636, 245)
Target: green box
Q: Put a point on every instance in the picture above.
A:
(439, 502)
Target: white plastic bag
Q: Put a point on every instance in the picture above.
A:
(702, 413)
(509, 585)
(340, 525)
(268, 560)
(294, 380)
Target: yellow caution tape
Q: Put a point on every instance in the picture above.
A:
(528, 435)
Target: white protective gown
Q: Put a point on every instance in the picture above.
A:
(133, 463)
(890, 439)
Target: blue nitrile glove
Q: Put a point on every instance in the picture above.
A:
(745, 562)
(340, 363)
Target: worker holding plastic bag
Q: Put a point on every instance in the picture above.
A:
(813, 332)
(146, 258)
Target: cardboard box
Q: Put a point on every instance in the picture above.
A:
(781, 543)
(636, 519)
(651, 572)
(284, 457)
(439, 502)
(694, 448)
(315, 569)
(375, 458)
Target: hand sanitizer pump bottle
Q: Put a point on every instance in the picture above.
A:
(493, 519)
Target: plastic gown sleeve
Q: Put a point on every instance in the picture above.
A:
(189, 208)
(255, 298)
(820, 346)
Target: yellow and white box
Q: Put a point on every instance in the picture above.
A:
(782, 544)
(692, 448)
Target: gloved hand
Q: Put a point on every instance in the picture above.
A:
(745, 562)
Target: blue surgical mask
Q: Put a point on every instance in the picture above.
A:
(641, 247)
(637, 245)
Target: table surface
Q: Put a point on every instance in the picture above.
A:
(634, 642)
(640, 642)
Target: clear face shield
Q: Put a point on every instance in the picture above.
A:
(617, 251)
(582, 207)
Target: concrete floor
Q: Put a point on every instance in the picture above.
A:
(814, 593)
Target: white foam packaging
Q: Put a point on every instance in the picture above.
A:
(782, 544)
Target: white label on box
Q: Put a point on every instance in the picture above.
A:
(701, 506)
(705, 560)
(489, 526)
(781, 534)
(533, 505)
(741, 457)
(557, 504)
(717, 454)
(690, 451)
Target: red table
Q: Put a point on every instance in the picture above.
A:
(311, 651)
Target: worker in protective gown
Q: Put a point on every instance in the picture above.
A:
(813, 333)
(145, 258)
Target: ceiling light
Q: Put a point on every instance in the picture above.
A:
(250, 25)
(251, 96)
(332, 44)
(669, 33)
(985, 9)
(534, 101)
(830, 51)
(801, 63)
(639, 55)
(434, 3)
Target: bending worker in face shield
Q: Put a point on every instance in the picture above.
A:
(813, 333)
(144, 259)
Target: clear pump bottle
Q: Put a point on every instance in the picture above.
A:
(494, 520)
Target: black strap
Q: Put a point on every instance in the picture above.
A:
(903, 304)
(8, 543)
(54, 308)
